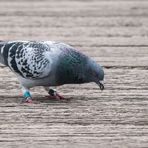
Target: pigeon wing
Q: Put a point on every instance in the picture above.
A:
(28, 59)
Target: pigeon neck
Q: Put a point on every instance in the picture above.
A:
(70, 68)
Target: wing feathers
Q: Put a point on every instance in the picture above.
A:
(27, 58)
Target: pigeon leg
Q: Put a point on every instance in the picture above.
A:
(53, 94)
(26, 95)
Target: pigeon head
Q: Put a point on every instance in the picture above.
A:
(95, 73)
(76, 68)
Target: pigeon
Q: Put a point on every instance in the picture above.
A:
(48, 64)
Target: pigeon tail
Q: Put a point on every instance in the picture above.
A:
(2, 44)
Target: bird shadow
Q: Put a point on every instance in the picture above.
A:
(51, 100)
(36, 100)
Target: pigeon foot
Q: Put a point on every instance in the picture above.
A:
(28, 100)
(54, 95)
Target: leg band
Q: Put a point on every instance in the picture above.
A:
(26, 94)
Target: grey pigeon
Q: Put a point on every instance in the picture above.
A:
(47, 63)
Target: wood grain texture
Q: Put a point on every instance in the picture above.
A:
(115, 34)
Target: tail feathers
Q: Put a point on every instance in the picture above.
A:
(2, 44)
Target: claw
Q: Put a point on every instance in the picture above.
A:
(54, 95)
(28, 100)
(60, 96)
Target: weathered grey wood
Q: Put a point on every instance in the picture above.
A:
(115, 34)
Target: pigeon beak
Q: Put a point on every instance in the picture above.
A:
(101, 85)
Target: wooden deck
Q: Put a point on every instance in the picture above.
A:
(115, 34)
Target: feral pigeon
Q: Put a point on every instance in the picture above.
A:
(48, 63)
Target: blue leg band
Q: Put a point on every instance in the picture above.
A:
(26, 94)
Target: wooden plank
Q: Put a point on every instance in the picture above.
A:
(51, 8)
(115, 34)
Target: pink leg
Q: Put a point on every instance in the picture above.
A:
(29, 100)
(54, 95)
